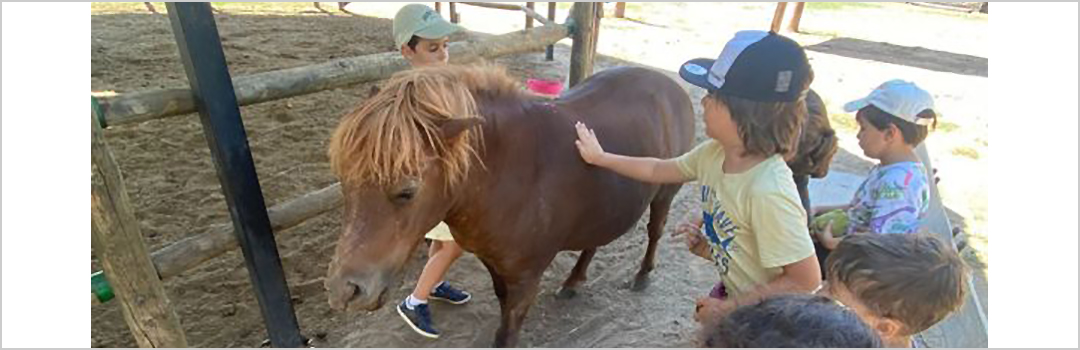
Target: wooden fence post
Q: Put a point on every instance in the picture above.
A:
(796, 17)
(778, 17)
(117, 242)
(583, 51)
(453, 13)
(620, 10)
(528, 19)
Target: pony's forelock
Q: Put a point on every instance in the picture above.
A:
(395, 133)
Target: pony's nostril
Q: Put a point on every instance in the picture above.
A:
(357, 292)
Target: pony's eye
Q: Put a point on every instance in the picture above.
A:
(405, 195)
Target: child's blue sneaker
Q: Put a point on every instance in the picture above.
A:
(450, 294)
(419, 318)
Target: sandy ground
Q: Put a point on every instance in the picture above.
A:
(172, 181)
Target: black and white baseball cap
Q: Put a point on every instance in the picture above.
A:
(755, 65)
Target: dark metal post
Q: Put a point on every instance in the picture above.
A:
(204, 61)
(550, 54)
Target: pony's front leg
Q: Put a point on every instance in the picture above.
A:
(520, 295)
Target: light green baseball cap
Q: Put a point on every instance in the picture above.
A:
(421, 21)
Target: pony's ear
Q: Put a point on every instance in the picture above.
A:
(450, 128)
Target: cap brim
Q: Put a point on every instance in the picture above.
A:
(438, 30)
(696, 71)
(856, 105)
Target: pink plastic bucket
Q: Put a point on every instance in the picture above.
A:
(545, 87)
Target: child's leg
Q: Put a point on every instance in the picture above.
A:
(443, 254)
(434, 248)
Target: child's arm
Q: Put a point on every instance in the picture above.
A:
(815, 211)
(639, 168)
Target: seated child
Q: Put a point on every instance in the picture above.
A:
(894, 198)
(790, 321)
(898, 284)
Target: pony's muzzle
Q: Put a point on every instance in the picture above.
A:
(351, 293)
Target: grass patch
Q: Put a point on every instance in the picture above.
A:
(822, 33)
(843, 122)
(946, 127)
(964, 151)
(818, 6)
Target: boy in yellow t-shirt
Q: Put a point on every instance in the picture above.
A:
(754, 223)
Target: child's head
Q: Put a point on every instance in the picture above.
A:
(896, 115)
(799, 321)
(422, 35)
(900, 284)
(757, 90)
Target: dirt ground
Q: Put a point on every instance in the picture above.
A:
(174, 187)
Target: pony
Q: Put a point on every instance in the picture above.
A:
(467, 146)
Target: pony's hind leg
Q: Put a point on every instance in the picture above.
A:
(658, 213)
(577, 275)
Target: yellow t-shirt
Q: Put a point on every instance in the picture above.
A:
(753, 220)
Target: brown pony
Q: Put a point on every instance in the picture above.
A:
(817, 146)
(467, 146)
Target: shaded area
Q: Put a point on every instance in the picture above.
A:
(917, 57)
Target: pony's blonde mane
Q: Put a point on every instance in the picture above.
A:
(393, 134)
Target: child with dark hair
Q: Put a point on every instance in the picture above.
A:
(900, 285)
(753, 225)
(422, 36)
(790, 321)
(895, 196)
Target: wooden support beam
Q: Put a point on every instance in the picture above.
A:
(531, 6)
(189, 252)
(192, 251)
(453, 14)
(778, 17)
(438, 8)
(582, 53)
(118, 243)
(142, 106)
(796, 17)
(529, 11)
(620, 10)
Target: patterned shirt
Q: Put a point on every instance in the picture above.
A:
(893, 199)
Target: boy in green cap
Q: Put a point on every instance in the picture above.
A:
(422, 36)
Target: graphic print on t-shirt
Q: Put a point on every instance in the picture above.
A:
(719, 229)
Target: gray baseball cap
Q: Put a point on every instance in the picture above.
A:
(420, 20)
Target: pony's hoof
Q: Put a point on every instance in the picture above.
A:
(566, 293)
(639, 283)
